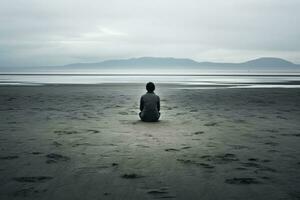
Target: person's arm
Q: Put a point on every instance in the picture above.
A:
(141, 104)
(158, 104)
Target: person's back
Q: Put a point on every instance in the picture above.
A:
(150, 105)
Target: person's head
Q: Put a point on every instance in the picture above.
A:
(150, 87)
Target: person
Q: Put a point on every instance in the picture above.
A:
(150, 105)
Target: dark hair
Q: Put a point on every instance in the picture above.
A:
(150, 87)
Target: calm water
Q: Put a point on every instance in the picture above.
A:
(187, 82)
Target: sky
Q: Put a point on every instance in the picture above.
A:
(59, 32)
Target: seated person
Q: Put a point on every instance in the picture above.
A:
(150, 105)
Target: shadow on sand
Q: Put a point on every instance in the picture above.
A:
(140, 122)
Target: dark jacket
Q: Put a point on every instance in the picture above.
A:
(150, 107)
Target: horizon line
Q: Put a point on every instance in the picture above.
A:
(124, 74)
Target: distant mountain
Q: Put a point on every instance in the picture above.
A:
(268, 62)
(165, 64)
(140, 62)
(159, 62)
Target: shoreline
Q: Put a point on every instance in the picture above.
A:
(291, 74)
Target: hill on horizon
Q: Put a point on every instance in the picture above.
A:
(165, 64)
(263, 62)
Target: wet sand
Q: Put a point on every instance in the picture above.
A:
(86, 142)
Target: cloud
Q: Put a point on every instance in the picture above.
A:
(57, 32)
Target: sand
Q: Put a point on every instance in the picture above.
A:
(86, 142)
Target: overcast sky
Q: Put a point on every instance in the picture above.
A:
(58, 32)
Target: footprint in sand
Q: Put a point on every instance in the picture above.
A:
(271, 143)
(32, 179)
(239, 121)
(266, 160)
(84, 144)
(250, 164)
(93, 131)
(161, 193)
(253, 159)
(227, 157)
(186, 147)
(65, 132)
(123, 113)
(198, 132)
(171, 149)
(54, 158)
(180, 113)
(193, 162)
(211, 124)
(131, 176)
(241, 168)
(143, 146)
(242, 181)
(265, 169)
(114, 164)
(186, 161)
(157, 191)
(205, 165)
(8, 157)
(36, 153)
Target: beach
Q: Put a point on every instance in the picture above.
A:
(85, 141)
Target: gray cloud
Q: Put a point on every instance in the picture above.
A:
(56, 32)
